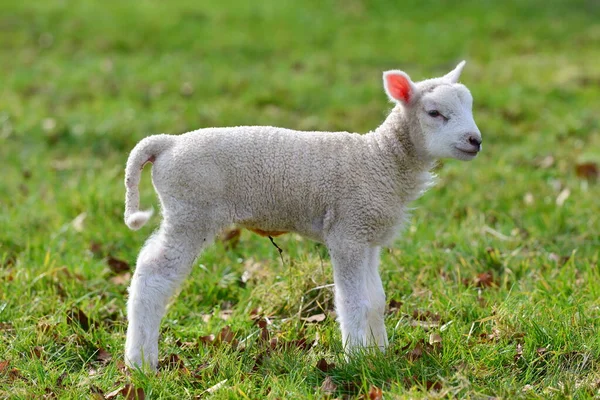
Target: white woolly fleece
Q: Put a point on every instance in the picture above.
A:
(343, 189)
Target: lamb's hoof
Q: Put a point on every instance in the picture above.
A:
(136, 362)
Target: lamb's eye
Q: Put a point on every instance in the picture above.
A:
(434, 113)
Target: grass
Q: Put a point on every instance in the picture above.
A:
(491, 263)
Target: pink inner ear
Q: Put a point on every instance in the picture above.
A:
(399, 87)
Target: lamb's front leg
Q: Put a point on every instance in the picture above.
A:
(377, 336)
(353, 302)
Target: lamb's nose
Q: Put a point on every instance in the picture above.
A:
(475, 141)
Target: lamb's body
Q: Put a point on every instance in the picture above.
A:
(264, 178)
(346, 190)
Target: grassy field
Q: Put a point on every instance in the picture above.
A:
(494, 286)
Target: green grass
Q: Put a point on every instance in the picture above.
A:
(83, 81)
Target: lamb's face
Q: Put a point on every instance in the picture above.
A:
(439, 111)
(446, 120)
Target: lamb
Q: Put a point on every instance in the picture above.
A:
(346, 190)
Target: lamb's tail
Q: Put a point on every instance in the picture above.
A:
(144, 152)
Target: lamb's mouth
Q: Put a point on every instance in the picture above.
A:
(471, 153)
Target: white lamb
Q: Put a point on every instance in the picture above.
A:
(346, 190)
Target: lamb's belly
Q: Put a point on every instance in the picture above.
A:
(276, 223)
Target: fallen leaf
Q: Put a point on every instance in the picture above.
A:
(328, 386)
(546, 162)
(129, 392)
(207, 339)
(484, 279)
(60, 380)
(528, 198)
(415, 353)
(117, 266)
(375, 393)
(231, 237)
(121, 279)
(103, 356)
(4, 366)
(96, 249)
(78, 222)
(562, 197)
(433, 385)
(519, 353)
(187, 89)
(426, 316)
(394, 306)
(226, 335)
(560, 260)
(324, 366)
(587, 171)
(255, 313)
(173, 361)
(75, 315)
(435, 338)
(96, 393)
(216, 387)
(315, 318)
(5, 326)
(225, 314)
(38, 351)
(541, 351)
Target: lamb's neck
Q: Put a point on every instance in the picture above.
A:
(392, 140)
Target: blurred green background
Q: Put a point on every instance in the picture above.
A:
(82, 81)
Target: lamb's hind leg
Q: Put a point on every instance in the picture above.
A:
(164, 262)
(377, 335)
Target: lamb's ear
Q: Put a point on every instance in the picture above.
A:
(399, 87)
(454, 75)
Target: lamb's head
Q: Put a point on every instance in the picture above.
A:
(438, 112)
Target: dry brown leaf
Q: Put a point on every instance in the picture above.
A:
(588, 170)
(225, 314)
(38, 351)
(324, 366)
(128, 391)
(103, 356)
(96, 393)
(328, 386)
(519, 353)
(255, 313)
(4, 366)
(375, 393)
(484, 279)
(207, 339)
(117, 266)
(315, 318)
(76, 316)
(96, 249)
(231, 237)
(226, 335)
(415, 353)
(426, 315)
(560, 260)
(394, 306)
(173, 361)
(5, 326)
(433, 385)
(435, 338)
(121, 279)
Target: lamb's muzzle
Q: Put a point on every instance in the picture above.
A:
(346, 190)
